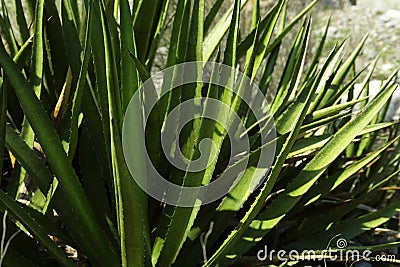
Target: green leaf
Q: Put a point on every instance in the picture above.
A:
(341, 74)
(212, 14)
(332, 110)
(304, 101)
(319, 50)
(214, 37)
(176, 54)
(290, 79)
(56, 62)
(21, 21)
(328, 185)
(295, 190)
(262, 45)
(35, 79)
(131, 201)
(180, 219)
(353, 227)
(246, 43)
(158, 34)
(71, 37)
(326, 79)
(35, 167)
(7, 30)
(79, 92)
(34, 228)
(59, 163)
(146, 11)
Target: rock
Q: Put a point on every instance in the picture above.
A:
(380, 5)
(332, 3)
(384, 19)
(387, 68)
(333, 32)
(392, 14)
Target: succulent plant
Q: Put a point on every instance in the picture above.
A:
(69, 72)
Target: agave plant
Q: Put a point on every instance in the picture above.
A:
(69, 72)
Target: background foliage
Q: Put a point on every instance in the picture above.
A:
(68, 73)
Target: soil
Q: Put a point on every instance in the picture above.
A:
(379, 19)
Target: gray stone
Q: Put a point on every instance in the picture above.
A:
(380, 5)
